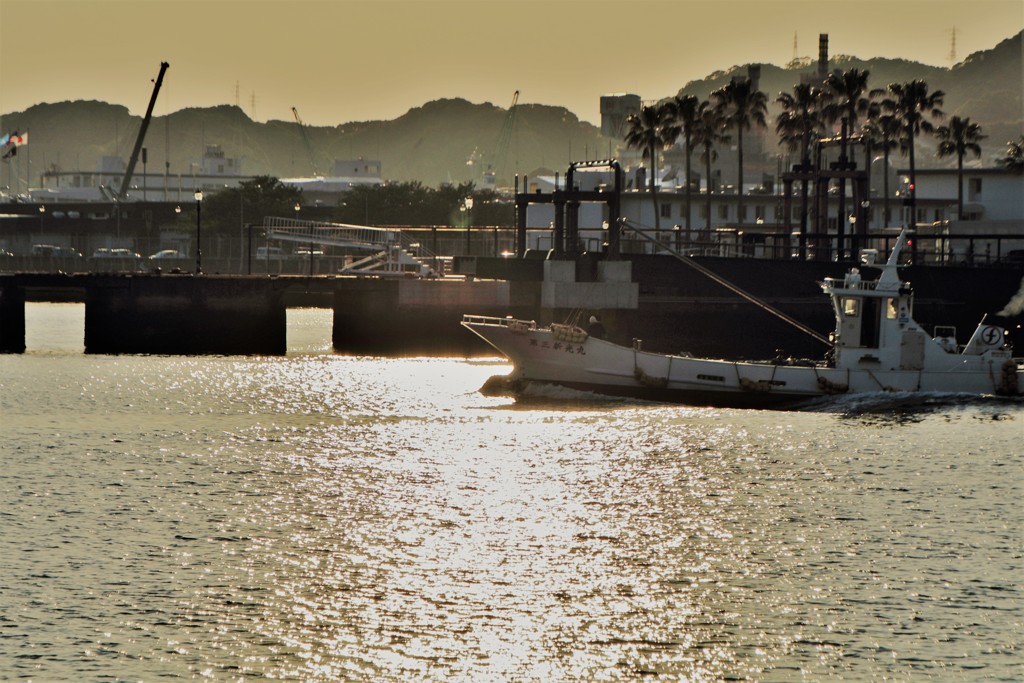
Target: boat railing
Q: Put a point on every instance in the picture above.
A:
(507, 321)
(848, 283)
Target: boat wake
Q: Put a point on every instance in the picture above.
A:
(882, 407)
(908, 406)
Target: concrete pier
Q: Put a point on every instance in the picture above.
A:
(422, 317)
(185, 315)
(12, 316)
(407, 317)
(668, 305)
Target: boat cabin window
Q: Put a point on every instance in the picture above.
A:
(869, 329)
(851, 306)
(890, 309)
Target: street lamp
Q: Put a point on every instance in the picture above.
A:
(467, 204)
(199, 233)
(42, 212)
(298, 207)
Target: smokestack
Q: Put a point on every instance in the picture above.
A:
(823, 55)
(754, 74)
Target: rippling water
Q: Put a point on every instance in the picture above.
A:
(320, 517)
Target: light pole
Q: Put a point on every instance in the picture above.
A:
(199, 232)
(467, 205)
(298, 207)
(864, 226)
(241, 227)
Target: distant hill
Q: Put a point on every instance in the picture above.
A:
(987, 86)
(445, 140)
(455, 140)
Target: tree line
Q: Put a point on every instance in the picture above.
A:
(395, 203)
(885, 119)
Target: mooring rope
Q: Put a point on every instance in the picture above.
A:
(764, 305)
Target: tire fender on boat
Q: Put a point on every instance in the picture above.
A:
(1008, 384)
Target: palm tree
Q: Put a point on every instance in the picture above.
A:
(1014, 159)
(708, 132)
(798, 123)
(911, 103)
(848, 99)
(683, 119)
(742, 107)
(883, 132)
(959, 137)
(647, 132)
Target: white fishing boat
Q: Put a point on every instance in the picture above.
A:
(876, 346)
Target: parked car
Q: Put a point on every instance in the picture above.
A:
(54, 250)
(118, 252)
(166, 254)
(269, 253)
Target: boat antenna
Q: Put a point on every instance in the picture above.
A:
(760, 303)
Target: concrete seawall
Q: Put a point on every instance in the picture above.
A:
(422, 317)
(12, 316)
(666, 304)
(185, 315)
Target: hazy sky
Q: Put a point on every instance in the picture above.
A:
(345, 60)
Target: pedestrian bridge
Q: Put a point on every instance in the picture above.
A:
(393, 252)
(334, 234)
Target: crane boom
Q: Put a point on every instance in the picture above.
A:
(504, 137)
(305, 139)
(123, 194)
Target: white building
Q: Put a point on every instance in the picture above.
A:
(993, 198)
(214, 171)
(993, 212)
(346, 174)
(991, 195)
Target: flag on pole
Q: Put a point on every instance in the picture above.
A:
(11, 142)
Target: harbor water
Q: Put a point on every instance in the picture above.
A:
(318, 517)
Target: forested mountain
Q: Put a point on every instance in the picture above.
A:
(987, 86)
(455, 140)
(442, 141)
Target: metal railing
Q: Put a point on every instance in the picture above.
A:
(929, 248)
(347, 236)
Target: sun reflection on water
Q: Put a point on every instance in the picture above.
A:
(527, 544)
(322, 517)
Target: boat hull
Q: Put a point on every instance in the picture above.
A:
(577, 361)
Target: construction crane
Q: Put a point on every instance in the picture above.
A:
(123, 194)
(305, 139)
(496, 168)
